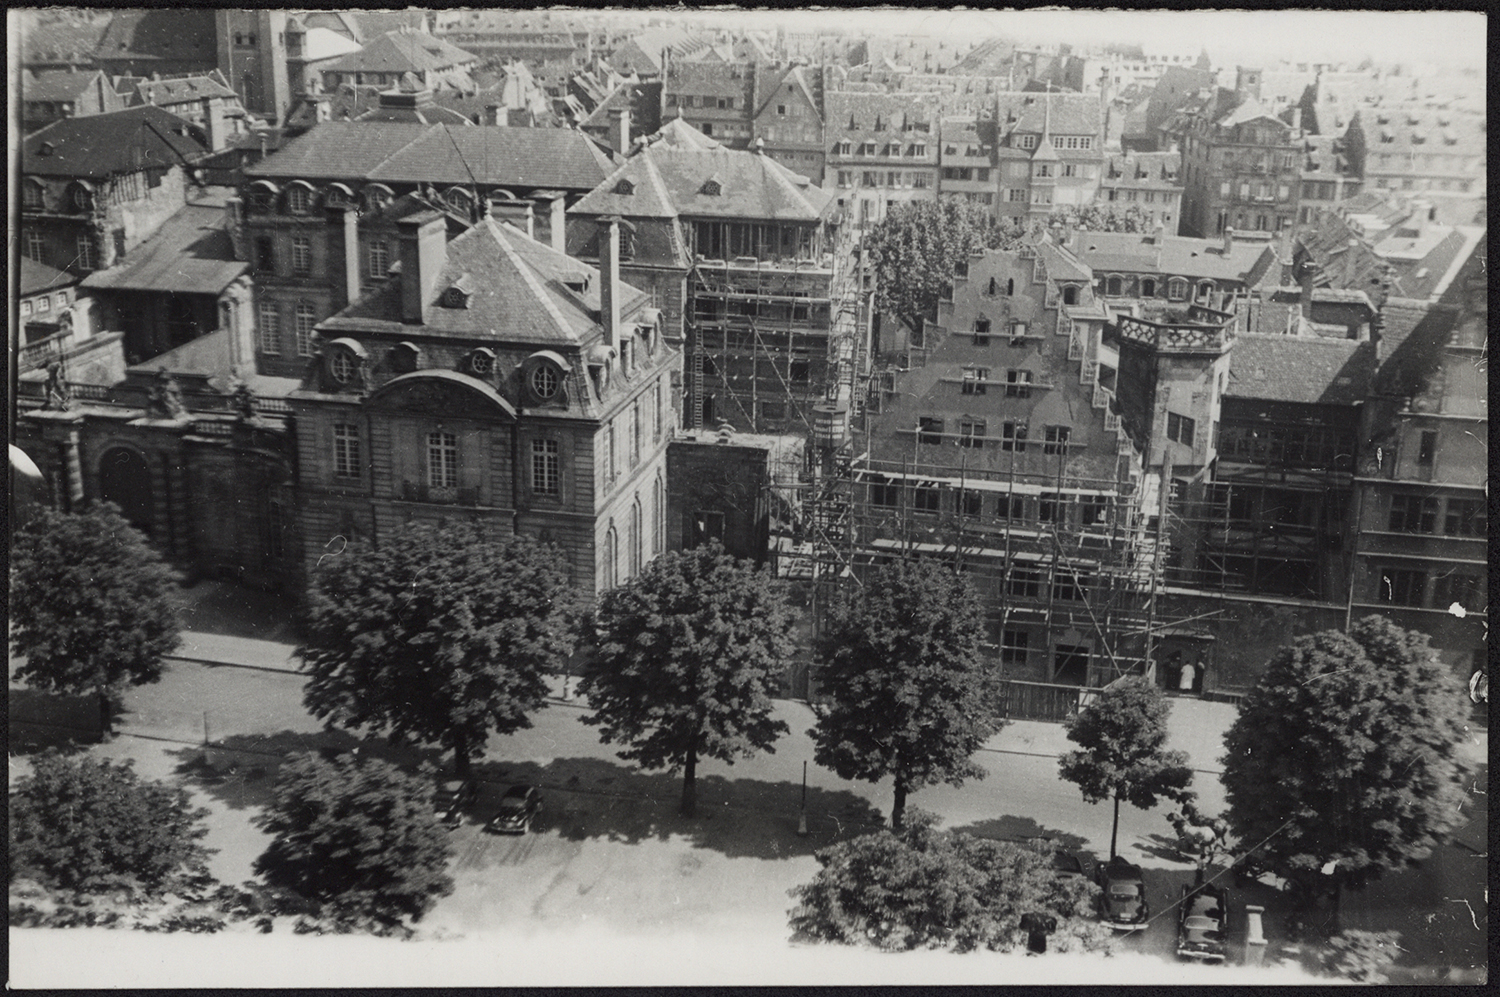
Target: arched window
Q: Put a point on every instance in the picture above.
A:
(1010, 286)
(1070, 295)
(635, 538)
(658, 517)
(1148, 288)
(83, 197)
(1112, 286)
(1177, 289)
(994, 288)
(31, 195)
(611, 567)
(458, 200)
(299, 199)
(1205, 289)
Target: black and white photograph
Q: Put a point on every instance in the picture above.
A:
(727, 497)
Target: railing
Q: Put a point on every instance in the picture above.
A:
(1175, 338)
(417, 491)
(1040, 700)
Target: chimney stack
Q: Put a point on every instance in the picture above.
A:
(424, 252)
(619, 129)
(609, 279)
(1296, 119)
(1228, 240)
(557, 224)
(492, 114)
(349, 223)
(213, 124)
(1306, 274)
(517, 214)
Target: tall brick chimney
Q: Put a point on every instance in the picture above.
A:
(213, 124)
(609, 279)
(1228, 239)
(424, 252)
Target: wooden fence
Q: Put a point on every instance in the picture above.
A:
(1042, 700)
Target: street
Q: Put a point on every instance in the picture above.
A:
(610, 852)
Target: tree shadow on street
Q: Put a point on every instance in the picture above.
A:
(594, 798)
(1159, 846)
(1015, 828)
(40, 720)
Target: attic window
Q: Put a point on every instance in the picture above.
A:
(624, 187)
(710, 188)
(45, 149)
(578, 283)
(458, 293)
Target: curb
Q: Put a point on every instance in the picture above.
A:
(229, 664)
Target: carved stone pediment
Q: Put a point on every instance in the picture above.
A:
(439, 397)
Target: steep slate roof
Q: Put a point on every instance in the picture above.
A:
(183, 89)
(98, 145)
(401, 52)
(59, 84)
(768, 85)
(893, 110)
(670, 182)
(36, 277)
(1061, 113)
(185, 34)
(1156, 166)
(540, 157)
(411, 152)
(1309, 370)
(1194, 258)
(191, 253)
(518, 294)
(678, 134)
(1248, 110)
(643, 100)
(69, 40)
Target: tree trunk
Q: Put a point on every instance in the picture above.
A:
(1114, 834)
(898, 808)
(106, 715)
(690, 782)
(461, 757)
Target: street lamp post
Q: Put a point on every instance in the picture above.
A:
(802, 815)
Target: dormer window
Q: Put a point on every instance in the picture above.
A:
(298, 199)
(578, 283)
(45, 149)
(710, 188)
(458, 293)
(844, 148)
(625, 187)
(482, 362)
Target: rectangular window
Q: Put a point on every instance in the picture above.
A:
(921, 180)
(1013, 437)
(85, 255)
(974, 380)
(1465, 518)
(380, 258)
(305, 320)
(1010, 507)
(611, 466)
(773, 411)
(301, 255)
(1067, 587)
(265, 254)
(1052, 508)
(1427, 447)
(971, 433)
(345, 451)
(843, 178)
(656, 411)
(884, 492)
(1413, 514)
(1023, 583)
(34, 249)
(1093, 510)
(971, 502)
(635, 434)
(1180, 428)
(1057, 440)
(442, 460)
(1013, 647)
(1466, 590)
(1016, 195)
(1018, 384)
(1401, 586)
(929, 430)
(268, 329)
(925, 498)
(982, 332)
(545, 467)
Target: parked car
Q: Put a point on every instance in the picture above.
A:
(1202, 923)
(518, 808)
(1123, 901)
(1065, 865)
(451, 796)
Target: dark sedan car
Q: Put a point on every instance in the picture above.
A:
(451, 796)
(1202, 922)
(518, 808)
(1124, 897)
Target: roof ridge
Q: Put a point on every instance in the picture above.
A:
(530, 278)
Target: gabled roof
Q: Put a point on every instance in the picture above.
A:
(410, 152)
(97, 146)
(1131, 252)
(59, 84)
(522, 297)
(182, 35)
(190, 253)
(670, 182)
(678, 134)
(37, 277)
(642, 99)
(1311, 370)
(180, 90)
(893, 110)
(71, 40)
(1249, 109)
(324, 43)
(1060, 113)
(1157, 167)
(793, 77)
(401, 51)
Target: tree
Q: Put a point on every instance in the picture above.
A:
(918, 248)
(1122, 733)
(92, 825)
(687, 661)
(359, 838)
(922, 888)
(1344, 757)
(910, 697)
(441, 635)
(90, 606)
(1100, 218)
(1360, 956)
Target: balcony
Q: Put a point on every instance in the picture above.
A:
(420, 491)
(1199, 330)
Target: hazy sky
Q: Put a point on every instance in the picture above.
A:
(1445, 37)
